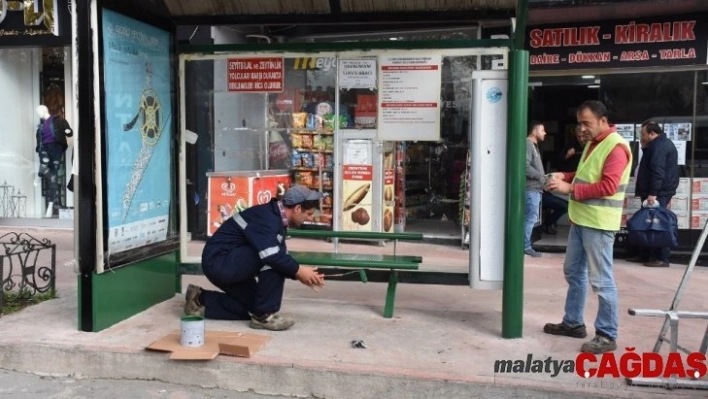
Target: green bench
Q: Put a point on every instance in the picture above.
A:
(362, 262)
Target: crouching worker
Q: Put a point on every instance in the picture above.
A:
(247, 259)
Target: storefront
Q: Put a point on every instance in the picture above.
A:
(644, 69)
(35, 70)
(367, 127)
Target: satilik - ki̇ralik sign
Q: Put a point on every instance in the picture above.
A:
(664, 41)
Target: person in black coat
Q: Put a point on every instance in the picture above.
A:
(657, 180)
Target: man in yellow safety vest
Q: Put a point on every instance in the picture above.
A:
(596, 193)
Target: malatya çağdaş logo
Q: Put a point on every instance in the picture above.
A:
(628, 365)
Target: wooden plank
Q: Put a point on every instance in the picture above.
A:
(363, 235)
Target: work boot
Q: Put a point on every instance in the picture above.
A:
(599, 344)
(532, 253)
(272, 322)
(563, 329)
(656, 263)
(637, 259)
(192, 305)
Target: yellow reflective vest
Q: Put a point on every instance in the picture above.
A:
(600, 213)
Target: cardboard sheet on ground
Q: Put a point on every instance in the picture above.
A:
(215, 342)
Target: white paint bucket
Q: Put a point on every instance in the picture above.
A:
(192, 333)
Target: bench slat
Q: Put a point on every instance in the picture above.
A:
(370, 261)
(365, 235)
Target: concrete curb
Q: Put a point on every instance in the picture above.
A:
(274, 377)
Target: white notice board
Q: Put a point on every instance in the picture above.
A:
(409, 97)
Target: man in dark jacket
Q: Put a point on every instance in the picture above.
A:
(657, 180)
(247, 259)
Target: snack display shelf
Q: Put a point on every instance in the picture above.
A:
(327, 151)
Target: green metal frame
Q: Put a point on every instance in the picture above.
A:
(343, 46)
(374, 261)
(513, 285)
(120, 294)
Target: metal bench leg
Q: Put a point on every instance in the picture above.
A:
(391, 294)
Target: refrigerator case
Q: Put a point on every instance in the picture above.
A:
(232, 192)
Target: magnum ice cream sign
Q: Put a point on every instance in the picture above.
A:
(664, 41)
(28, 17)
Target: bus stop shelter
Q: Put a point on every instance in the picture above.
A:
(129, 227)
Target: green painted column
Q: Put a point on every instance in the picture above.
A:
(513, 294)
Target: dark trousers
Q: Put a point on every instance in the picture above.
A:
(50, 157)
(663, 253)
(556, 206)
(249, 287)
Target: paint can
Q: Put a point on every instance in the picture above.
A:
(192, 332)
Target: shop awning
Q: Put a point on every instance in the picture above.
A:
(269, 12)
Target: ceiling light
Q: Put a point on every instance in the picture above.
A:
(593, 86)
(588, 76)
(393, 38)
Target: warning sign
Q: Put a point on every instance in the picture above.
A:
(255, 75)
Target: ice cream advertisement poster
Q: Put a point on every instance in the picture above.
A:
(229, 195)
(138, 124)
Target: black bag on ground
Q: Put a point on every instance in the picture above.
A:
(653, 227)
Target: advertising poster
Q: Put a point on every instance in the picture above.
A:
(357, 73)
(389, 189)
(138, 131)
(678, 131)
(229, 195)
(627, 131)
(681, 149)
(409, 95)
(357, 172)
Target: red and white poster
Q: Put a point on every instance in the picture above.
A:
(409, 95)
(389, 188)
(357, 189)
(229, 195)
(256, 75)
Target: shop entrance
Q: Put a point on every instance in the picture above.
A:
(553, 101)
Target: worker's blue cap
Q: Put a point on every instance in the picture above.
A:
(298, 194)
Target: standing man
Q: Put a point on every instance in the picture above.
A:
(248, 260)
(657, 180)
(534, 183)
(596, 192)
(556, 206)
(573, 151)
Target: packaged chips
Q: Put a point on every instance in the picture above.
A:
(299, 120)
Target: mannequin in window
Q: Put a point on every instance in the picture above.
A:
(52, 133)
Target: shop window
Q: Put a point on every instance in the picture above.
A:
(304, 119)
(700, 155)
(31, 77)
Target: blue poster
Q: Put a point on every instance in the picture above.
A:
(138, 131)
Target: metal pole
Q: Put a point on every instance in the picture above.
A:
(513, 288)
